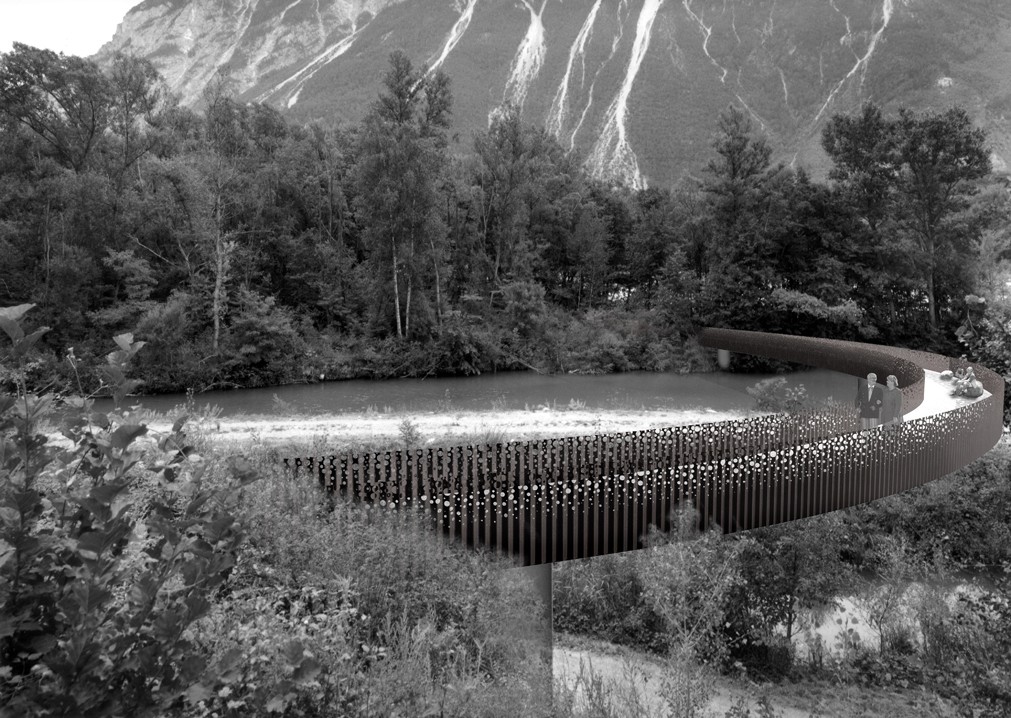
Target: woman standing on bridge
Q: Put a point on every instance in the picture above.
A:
(891, 406)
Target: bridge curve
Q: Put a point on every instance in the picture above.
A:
(855, 358)
(574, 497)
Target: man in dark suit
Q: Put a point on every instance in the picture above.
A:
(870, 397)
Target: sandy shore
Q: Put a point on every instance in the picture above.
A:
(453, 427)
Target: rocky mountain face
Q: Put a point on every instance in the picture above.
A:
(633, 86)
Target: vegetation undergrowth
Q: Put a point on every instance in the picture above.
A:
(149, 575)
(923, 575)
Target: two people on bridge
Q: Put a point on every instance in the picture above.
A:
(879, 405)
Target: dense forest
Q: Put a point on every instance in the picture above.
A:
(246, 250)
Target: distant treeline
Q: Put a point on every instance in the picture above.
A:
(247, 250)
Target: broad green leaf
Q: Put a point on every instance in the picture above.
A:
(12, 328)
(29, 341)
(192, 666)
(277, 704)
(43, 644)
(216, 530)
(124, 341)
(123, 436)
(91, 545)
(10, 517)
(99, 419)
(198, 501)
(91, 596)
(107, 493)
(8, 626)
(308, 669)
(9, 317)
(198, 606)
(293, 652)
(15, 313)
(198, 692)
(231, 659)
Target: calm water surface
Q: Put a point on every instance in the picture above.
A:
(511, 390)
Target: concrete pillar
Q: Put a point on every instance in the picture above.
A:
(723, 358)
(540, 576)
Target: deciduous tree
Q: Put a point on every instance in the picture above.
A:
(401, 154)
(907, 178)
(65, 100)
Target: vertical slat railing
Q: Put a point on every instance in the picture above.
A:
(546, 501)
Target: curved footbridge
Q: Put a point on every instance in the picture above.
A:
(574, 497)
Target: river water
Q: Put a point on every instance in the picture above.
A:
(509, 390)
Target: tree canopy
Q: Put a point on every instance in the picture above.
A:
(250, 250)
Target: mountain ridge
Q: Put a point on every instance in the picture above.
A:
(633, 87)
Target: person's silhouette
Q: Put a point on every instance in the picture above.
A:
(870, 396)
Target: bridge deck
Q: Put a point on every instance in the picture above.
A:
(937, 397)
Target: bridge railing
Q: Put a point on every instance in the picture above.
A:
(572, 497)
(514, 494)
(854, 358)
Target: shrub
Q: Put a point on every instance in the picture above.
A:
(603, 597)
(775, 394)
(145, 579)
(976, 638)
(98, 591)
(410, 434)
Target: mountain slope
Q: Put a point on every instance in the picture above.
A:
(634, 87)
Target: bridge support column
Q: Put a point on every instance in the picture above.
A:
(723, 358)
(540, 577)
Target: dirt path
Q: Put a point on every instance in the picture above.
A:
(620, 667)
(632, 676)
